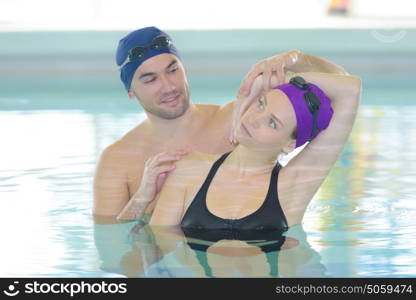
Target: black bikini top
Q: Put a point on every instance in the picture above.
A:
(269, 216)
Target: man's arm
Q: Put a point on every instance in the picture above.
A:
(110, 184)
(308, 63)
(279, 65)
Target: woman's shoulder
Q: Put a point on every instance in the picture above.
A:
(192, 166)
(197, 159)
(202, 157)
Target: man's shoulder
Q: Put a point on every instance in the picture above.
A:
(207, 108)
(221, 114)
(114, 149)
(121, 150)
(111, 156)
(215, 107)
(129, 143)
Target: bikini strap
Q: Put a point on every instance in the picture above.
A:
(200, 196)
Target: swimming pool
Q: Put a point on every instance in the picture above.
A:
(360, 224)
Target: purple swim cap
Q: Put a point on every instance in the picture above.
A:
(140, 37)
(308, 127)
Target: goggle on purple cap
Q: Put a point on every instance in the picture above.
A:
(312, 108)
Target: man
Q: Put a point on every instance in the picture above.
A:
(152, 72)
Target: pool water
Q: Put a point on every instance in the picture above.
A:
(360, 224)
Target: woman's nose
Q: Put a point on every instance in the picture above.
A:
(255, 124)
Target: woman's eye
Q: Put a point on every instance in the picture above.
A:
(261, 105)
(272, 124)
(173, 70)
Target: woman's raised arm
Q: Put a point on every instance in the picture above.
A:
(307, 171)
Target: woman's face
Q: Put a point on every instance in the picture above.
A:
(268, 123)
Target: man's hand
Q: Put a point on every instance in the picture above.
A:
(269, 67)
(156, 171)
(258, 89)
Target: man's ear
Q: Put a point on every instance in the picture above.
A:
(130, 94)
(290, 146)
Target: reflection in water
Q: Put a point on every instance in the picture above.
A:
(139, 250)
(231, 248)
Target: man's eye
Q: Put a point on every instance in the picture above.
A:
(173, 70)
(151, 80)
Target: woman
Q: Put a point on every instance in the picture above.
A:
(247, 188)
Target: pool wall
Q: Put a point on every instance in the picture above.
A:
(43, 67)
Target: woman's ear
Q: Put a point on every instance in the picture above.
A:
(290, 146)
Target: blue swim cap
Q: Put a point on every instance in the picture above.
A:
(140, 37)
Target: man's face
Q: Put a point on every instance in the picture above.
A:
(161, 87)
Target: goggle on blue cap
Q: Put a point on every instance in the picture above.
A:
(138, 46)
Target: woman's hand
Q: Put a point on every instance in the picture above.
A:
(269, 67)
(243, 103)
